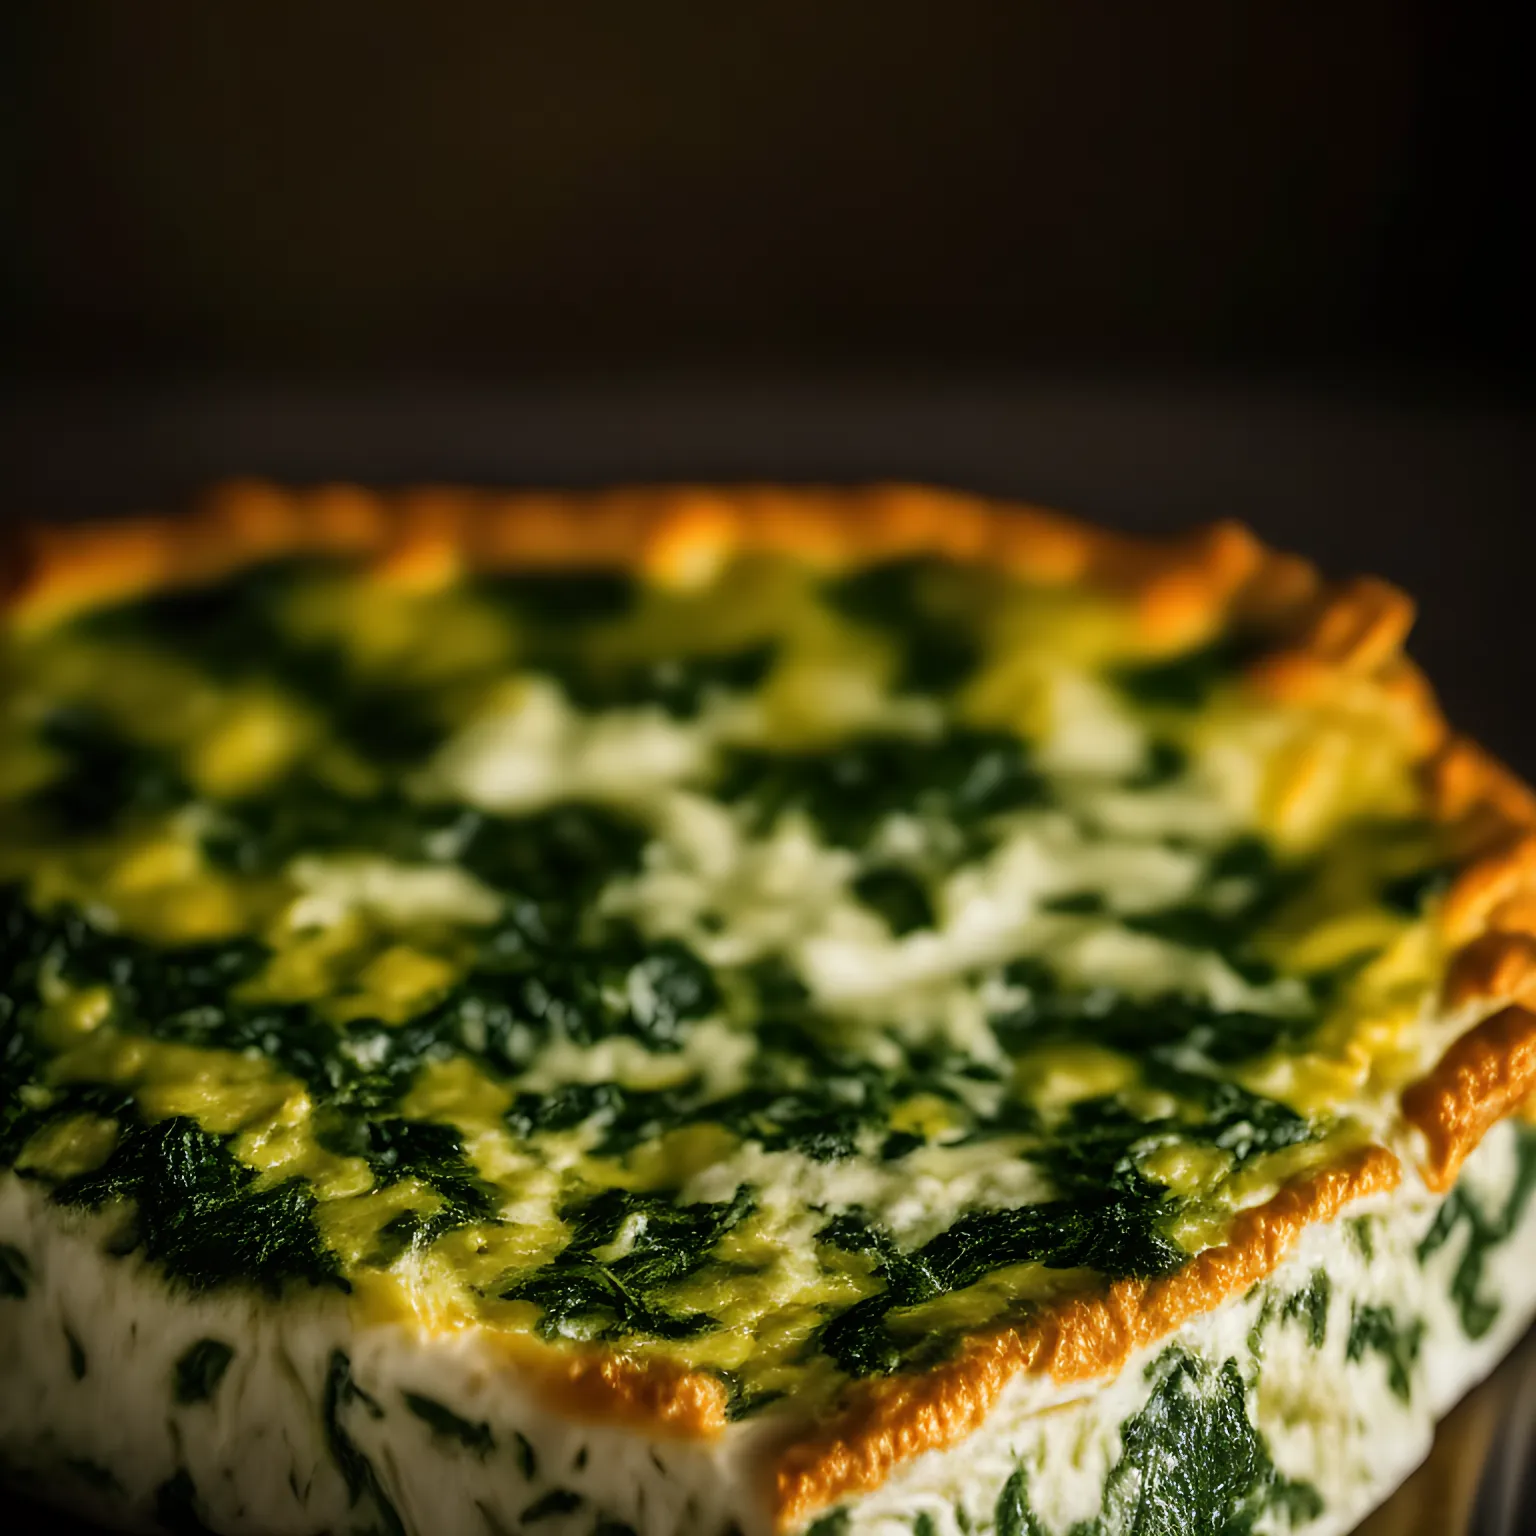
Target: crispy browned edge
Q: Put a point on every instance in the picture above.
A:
(1328, 641)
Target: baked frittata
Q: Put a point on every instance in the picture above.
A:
(865, 1013)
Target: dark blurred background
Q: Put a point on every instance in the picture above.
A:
(1158, 263)
(485, 186)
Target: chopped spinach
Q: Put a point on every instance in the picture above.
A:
(558, 1501)
(1111, 1229)
(78, 1365)
(803, 1094)
(200, 1369)
(104, 776)
(1310, 1306)
(1165, 761)
(678, 685)
(1012, 1515)
(964, 777)
(1108, 1216)
(1362, 1229)
(15, 1273)
(196, 1215)
(230, 628)
(527, 1460)
(1187, 680)
(898, 896)
(619, 985)
(448, 1425)
(357, 1471)
(586, 1297)
(1411, 893)
(424, 1150)
(1485, 1231)
(176, 1506)
(939, 648)
(833, 1523)
(1377, 1329)
(1191, 1462)
(562, 596)
(1138, 1025)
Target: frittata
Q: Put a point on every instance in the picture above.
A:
(868, 1013)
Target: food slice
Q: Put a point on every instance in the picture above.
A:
(838, 1011)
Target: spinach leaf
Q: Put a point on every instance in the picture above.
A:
(448, 1425)
(963, 777)
(231, 630)
(200, 1369)
(558, 1501)
(1310, 1306)
(898, 896)
(562, 596)
(196, 1215)
(940, 648)
(430, 1153)
(1187, 680)
(1136, 1026)
(15, 1273)
(527, 1459)
(1485, 1230)
(1411, 893)
(1013, 1515)
(105, 776)
(357, 1471)
(833, 1523)
(678, 685)
(1377, 1329)
(586, 1297)
(1191, 1462)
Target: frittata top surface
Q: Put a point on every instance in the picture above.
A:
(774, 941)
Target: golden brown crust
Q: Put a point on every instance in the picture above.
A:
(1184, 589)
(1328, 646)
(606, 1386)
(892, 1420)
(1487, 1074)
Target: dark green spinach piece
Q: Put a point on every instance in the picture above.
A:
(1485, 1231)
(448, 1425)
(678, 685)
(15, 1273)
(964, 777)
(898, 895)
(939, 645)
(1187, 680)
(586, 1297)
(357, 1471)
(196, 1215)
(564, 596)
(200, 1369)
(1192, 1463)
(1377, 1329)
(1012, 1515)
(1310, 1306)
(105, 777)
(558, 1501)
